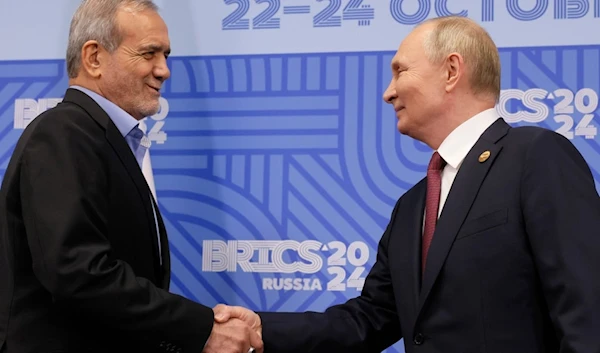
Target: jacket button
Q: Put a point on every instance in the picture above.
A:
(418, 340)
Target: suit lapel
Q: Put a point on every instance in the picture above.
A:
(460, 199)
(119, 145)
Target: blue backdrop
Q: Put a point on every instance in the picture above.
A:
(275, 159)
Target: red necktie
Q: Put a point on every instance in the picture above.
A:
(434, 188)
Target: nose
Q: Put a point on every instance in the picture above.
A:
(390, 93)
(161, 70)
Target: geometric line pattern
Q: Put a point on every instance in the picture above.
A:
(297, 147)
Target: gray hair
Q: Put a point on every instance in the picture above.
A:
(96, 20)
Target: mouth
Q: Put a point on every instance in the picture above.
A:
(154, 88)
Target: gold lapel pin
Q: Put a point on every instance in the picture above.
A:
(484, 156)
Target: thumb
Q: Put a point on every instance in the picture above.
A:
(222, 313)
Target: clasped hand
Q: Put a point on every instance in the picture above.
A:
(236, 330)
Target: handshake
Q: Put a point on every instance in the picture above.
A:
(236, 330)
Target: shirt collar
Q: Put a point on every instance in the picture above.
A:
(122, 120)
(457, 145)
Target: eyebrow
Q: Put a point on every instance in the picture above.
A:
(398, 64)
(155, 47)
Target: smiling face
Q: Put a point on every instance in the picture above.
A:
(133, 74)
(417, 87)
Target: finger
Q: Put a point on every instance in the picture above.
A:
(257, 327)
(256, 341)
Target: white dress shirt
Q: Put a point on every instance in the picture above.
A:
(457, 145)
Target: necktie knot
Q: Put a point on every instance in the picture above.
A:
(436, 163)
(141, 137)
(139, 143)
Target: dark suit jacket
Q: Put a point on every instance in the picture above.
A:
(513, 266)
(79, 266)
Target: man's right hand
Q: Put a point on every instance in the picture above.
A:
(225, 312)
(233, 336)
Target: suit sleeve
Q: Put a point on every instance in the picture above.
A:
(562, 219)
(368, 323)
(63, 191)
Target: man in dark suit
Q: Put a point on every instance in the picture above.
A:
(512, 263)
(84, 256)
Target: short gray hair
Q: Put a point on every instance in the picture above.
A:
(96, 20)
(466, 37)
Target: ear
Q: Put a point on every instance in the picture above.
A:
(453, 70)
(91, 58)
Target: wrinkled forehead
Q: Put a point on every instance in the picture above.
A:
(144, 31)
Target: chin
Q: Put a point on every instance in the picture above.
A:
(402, 128)
(150, 110)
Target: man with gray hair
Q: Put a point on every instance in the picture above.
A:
(495, 251)
(84, 255)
